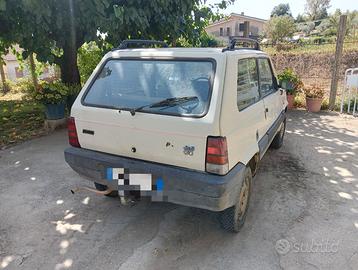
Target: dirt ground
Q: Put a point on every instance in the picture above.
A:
(303, 211)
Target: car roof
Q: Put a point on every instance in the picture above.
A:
(189, 51)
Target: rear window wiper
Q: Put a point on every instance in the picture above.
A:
(168, 102)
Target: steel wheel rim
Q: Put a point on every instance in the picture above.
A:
(244, 198)
(282, 131)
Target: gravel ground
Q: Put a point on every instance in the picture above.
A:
(303, 211)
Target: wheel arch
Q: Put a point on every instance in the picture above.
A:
(254, 163)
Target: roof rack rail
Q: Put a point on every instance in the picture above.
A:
(125, 43)
(234, 40)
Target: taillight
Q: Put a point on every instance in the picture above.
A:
(72, 133)
(216, 155)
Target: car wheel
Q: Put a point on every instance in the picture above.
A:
(278, 140)
(233, 218)
(101, 187)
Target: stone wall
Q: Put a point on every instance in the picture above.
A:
(315, 67)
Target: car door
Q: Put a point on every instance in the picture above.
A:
(249, 104)
(269, 92)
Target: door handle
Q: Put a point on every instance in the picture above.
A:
(266, 110)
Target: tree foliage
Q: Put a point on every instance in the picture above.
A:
(330, 25)
(89, 55)
(306, 28)
(301, 18)
(317, 9)
(281, 10)
(55, 30)
(279, 28)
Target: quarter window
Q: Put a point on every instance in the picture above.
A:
(247, 83)
(266, 77)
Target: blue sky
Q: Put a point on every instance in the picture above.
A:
(262, 8)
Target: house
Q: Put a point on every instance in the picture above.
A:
(13, 71)
(236, 25)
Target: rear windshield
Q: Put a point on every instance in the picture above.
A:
(175, 87)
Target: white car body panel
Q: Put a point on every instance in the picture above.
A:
(156, 137)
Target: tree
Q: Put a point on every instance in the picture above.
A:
(4, 48)
(301, 18)
(281, 10)
(279, 28)
(307, 28)
(3, 78)
(332, 23)
(55, 30)
(317, 9)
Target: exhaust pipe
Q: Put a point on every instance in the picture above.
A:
(81, 189)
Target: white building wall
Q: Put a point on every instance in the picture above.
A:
(11, 64)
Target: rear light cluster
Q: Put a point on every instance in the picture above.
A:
(217, 155)
(72, 133)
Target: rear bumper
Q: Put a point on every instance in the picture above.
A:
(181, 186)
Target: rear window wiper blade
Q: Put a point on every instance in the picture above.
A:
(168, 102)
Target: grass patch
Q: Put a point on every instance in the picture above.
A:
(20, 120)
(310, 49)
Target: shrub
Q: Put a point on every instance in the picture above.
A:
(23, 85)
(73, 89)
(299, 101)
(7, 87)
(313, 91)
(325, 104)
(49, 93)
(208, 41)
(89, 55)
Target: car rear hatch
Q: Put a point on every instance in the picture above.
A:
(148, 105)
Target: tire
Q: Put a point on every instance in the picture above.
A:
(233, 218)
(278, 140)
(101, 187)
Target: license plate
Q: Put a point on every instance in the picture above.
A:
(134, 181)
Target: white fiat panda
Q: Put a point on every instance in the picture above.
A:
(189, 124)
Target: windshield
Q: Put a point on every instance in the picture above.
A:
(136, 84)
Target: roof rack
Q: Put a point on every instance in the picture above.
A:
(255, 45)
(125, 43)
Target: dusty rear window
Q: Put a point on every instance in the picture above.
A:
(145, 84)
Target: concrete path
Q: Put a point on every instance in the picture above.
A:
(303, 211)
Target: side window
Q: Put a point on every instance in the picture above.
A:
(247, 83)
(266, 77)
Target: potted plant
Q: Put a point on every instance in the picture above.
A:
(53, 95)
(314, 96)
(290, 81)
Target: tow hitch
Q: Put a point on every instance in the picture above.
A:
(81, 189)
